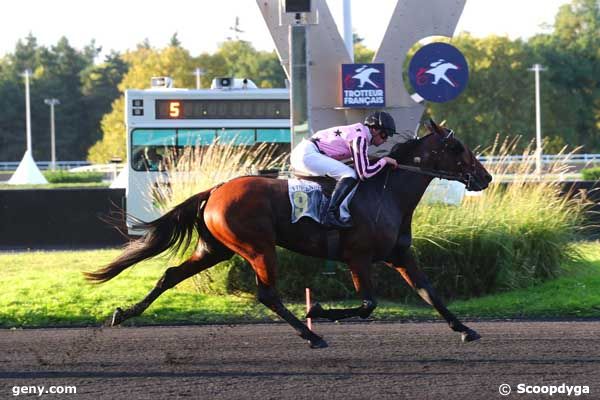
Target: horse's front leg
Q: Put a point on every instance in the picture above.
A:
(405, 263)
(361, 277)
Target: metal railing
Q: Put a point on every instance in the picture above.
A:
(43, 165)
(546, 159)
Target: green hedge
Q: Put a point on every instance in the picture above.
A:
(61, 176)
(591, 174)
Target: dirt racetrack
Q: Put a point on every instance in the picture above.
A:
(364, 361)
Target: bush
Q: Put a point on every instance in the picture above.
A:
(61, 176)
(591, 174)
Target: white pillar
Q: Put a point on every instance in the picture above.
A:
(348, 37)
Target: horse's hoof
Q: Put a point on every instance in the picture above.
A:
(470, 336)
(117, 317)
(318, 344)
(316, 311)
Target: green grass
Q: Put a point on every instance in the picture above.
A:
(47, 289)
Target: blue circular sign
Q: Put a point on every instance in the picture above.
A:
(438, 72)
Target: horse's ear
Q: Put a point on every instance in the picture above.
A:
(429, 126)
(433, 128)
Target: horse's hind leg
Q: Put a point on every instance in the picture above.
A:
(202, 259)
(264, 266)
(362, 283)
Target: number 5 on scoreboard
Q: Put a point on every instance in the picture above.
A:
(174, 109)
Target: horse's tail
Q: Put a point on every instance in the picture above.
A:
(169, 232)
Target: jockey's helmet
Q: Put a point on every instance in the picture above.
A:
(383, 121)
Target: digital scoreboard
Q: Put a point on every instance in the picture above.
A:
(223, 109)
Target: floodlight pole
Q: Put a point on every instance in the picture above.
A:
(52, 103)
(198, 72)
(27, 74)
(27, 172)
(536, 68)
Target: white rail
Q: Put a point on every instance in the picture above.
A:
(546, 159)
(12, 165)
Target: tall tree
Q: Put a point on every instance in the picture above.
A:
(143, 63)
(100, 89)
(572, 56)
(362, 54)
(56, 73)
(174, 41)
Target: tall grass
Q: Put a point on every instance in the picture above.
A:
(514, 234)
(199, 168)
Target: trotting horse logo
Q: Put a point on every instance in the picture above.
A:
(438, 72)
(363, 85)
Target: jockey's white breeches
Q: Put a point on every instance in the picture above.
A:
(306, 159)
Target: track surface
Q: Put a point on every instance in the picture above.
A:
(364, 361)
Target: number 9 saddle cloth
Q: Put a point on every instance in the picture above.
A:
(309, 200)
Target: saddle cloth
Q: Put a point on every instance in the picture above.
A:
(308, 200)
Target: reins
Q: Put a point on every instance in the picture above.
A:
(464, 178)
(423, 171)
(436, 173)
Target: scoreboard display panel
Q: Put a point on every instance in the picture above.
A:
(223, 109)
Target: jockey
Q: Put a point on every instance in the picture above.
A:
(321, 154)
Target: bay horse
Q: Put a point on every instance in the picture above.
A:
(251, 215)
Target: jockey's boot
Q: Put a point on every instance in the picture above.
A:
(342, 189)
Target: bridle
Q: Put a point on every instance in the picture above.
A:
(464, 177)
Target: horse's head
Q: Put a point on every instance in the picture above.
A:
(441, 154)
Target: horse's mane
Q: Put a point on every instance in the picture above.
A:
(401, 151)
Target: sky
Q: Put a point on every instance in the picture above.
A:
(202, 24)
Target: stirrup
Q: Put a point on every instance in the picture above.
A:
(333, 221)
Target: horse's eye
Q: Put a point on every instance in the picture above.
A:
(457, 148)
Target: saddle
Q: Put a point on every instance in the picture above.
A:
(327, 184)
(315, 205)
